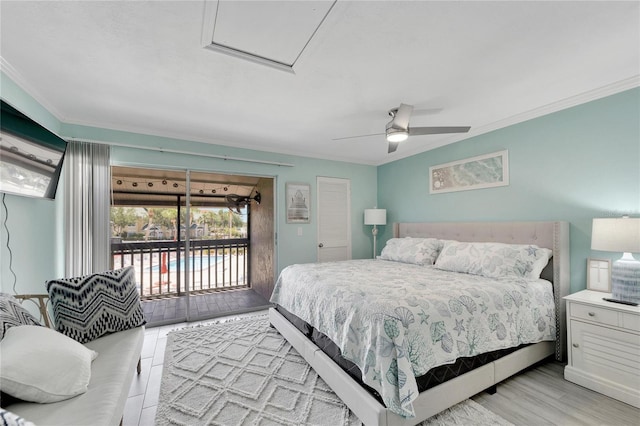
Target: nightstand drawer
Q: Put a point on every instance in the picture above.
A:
(631, 322)
(594, 313)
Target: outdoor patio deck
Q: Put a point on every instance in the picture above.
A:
(218, 278)
(202, 306)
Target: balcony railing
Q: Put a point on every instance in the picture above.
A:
(161, 265)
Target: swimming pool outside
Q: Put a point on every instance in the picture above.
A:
(196, 263)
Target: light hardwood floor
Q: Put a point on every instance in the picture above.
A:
(539, 396)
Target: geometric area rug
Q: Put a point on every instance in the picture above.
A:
(243, 372)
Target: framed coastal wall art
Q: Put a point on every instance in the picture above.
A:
(483, 171)
(298, 202)
(599, 275)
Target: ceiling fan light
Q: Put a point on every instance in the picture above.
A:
(394, 135)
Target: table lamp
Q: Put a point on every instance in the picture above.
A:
(375, 217)
(620, 235)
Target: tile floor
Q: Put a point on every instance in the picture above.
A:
(142, 402)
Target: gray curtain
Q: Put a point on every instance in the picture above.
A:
(87, 187)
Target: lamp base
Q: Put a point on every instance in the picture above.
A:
(625, 280)
(374, 232)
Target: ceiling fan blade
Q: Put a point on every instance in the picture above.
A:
(402, 116)
(425, 111)
(359, 136)
(414, 131)
(393, 146)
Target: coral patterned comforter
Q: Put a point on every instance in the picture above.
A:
(396, 321)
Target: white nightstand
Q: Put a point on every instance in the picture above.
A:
(603, 340)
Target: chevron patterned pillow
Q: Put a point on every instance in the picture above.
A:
(85, 308)
(13, 314)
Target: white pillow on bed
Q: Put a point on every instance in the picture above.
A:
(419, 251)
(493, 260)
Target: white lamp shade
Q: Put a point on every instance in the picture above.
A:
(620, 235)
(375, 217)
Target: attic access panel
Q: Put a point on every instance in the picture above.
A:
(273, 33)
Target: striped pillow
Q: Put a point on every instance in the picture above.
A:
(88, 307)
(13, 314)
(7, 418)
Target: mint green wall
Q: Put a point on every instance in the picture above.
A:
(573, 165)
(35, 234)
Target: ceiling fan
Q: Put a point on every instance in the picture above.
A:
(398, 130)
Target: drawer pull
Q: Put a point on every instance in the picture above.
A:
(592, 314)
(575, 345)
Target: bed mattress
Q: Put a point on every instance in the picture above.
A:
(433, 377)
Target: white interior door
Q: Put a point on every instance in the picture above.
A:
(334, 219)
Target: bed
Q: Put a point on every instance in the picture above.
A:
(380, 342)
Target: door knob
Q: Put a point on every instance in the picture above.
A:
(320, 245)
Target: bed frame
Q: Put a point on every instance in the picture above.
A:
(552, 235)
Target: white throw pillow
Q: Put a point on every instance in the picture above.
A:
(419, 251)
(39, 364)
(493, 260)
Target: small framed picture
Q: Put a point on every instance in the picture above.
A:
(298, 202)
(599, 275)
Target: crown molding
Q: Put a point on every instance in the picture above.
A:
(582, 98)
(29, 89)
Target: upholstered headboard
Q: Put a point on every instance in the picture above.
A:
(552, 235)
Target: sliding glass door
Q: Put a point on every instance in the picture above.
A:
(186, 234)
(147, 214)
(217, 238)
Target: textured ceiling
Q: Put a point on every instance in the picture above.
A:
(141, 67)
